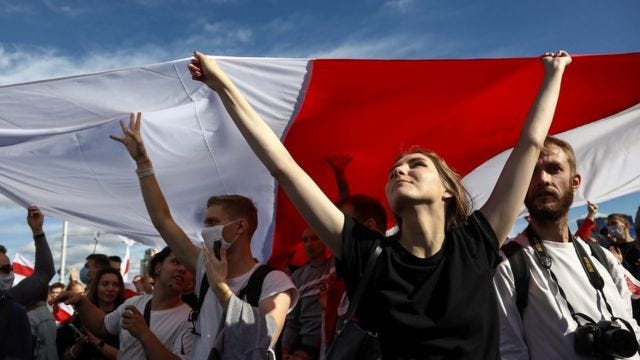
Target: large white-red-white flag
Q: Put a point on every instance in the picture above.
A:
(56, 152)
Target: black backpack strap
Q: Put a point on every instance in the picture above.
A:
(147, 313)
(252, 291)
(251, 294)
(515, 256)
(195, 312)
(598, 253)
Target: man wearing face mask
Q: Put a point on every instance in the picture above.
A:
(93, 264)
(230, 223)
(12, 342)
(623, 243)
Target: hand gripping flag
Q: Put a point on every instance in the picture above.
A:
(56, 153)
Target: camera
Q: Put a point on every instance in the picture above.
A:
(606, 339)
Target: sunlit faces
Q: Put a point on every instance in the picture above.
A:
(108, 288)
(552, 185)
(171, 273)
(414, 179)
(313, 246)
(53, 293)
(216, 215)
(617, 229)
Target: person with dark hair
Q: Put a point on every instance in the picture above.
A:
(15, 341)
(149, 326)
(245, 296)
(554, 288)
(106, 293)
(55, 289)
(430, 291)
(93, 264)
(115, 261)
(365, 210)
(3, 250)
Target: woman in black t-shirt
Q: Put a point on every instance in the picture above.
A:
(420, 310)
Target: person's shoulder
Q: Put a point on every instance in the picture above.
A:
(278, 276)
(137, 300)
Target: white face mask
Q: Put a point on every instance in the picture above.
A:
(615, 232)
(6, 281)
(214, 233)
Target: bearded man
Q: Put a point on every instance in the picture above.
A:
(575, 293)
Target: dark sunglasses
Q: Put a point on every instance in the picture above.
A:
(7, 268)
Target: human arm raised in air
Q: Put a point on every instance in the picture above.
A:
(29, 289)
(154, 199)
(316, 208)
(505, 201)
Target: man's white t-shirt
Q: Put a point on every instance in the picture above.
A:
(210, 317)
(546, 329)
(170, 326)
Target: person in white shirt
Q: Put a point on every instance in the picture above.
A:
(230, 222)
(150, 326)
(546, 328)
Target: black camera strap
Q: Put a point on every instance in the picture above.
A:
(592, 273)
(587, 265)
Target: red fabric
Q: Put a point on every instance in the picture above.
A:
(335, 290)
(466, 110)
(584, 231)
(21, 269)
(63, 314)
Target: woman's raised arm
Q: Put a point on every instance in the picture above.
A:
(316, 208)
(507, 197)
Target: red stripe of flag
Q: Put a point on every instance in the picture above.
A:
(21, 269)
(466, 110)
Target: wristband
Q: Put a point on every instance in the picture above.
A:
(145, 172)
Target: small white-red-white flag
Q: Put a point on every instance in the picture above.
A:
(21, 268)
(63, 313)
(125, 265)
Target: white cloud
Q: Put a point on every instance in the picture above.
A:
(14, 7)
(22, 64)
(71, 8)
(218, 37)
(388, 47)
(402, 6)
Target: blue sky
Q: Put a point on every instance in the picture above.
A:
(52, 38)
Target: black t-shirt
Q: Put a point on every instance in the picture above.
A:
(630, 256)
(441, 307)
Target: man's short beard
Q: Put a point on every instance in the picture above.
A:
(549, 212)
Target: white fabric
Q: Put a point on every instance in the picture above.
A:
(546, 329)
(56, 152)
(171, 327)
(210, 318)
(605, 147)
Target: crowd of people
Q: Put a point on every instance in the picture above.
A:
(448, 284)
